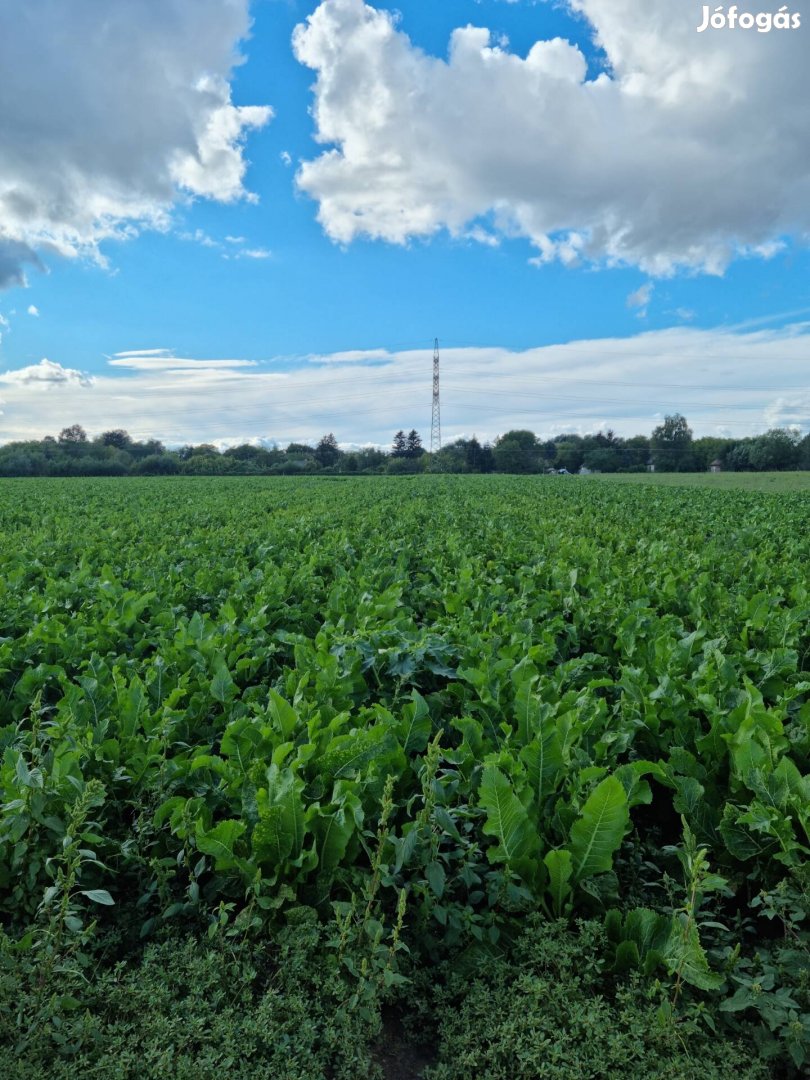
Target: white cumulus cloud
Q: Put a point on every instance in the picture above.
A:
(688, 151)
(109, 114)
(45, 374)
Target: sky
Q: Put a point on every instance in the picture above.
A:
(226, 221)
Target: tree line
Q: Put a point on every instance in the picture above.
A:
(671, 447)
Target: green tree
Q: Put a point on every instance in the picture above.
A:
(400, 465)
(778, 449)
(570, 452)
(413, 444)
(486, 459)
(159, 465)
(548, 453)
(517, 452)
(738, 457)
(635, 453)
(709, 449)
(74, 435)
(327, 452)
(370, 459)
(472, 454)
(140, 450)
(671, 444)
(452, 458)
(603, 459)
(399, 447)
(206, 464)
(118, 438)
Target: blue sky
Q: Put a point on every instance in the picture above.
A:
(655, 254)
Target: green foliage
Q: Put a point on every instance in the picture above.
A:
(548, 1011)
(671, 444)
(772, 987)
(599, 829)
(507, 819)
(224, 700)
(190, 1011)
(517, 452)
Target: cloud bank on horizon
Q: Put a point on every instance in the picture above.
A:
(715, 377)
(688, 150)
(109, 117)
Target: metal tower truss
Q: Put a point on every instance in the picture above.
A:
(436, 417)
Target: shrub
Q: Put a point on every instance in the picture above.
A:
(190, 1011)
(549, 1013)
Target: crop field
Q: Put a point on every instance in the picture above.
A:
(774, 482)
(510, 760)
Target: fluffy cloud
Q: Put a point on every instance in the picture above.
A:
(723, 380)
(33, 310)
(689, 150)
(108, 116)
(45, 374)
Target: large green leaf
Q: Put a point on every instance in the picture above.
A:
(684, 956)
(543, 760)
(599, 829)
(560, 868)
(333, 828)
(219, 842)
(740, 842)
(415, 726)
(279, 833)
(284, 715)
(347, 755)
(222, 685)
(507, 819)
(240, 741)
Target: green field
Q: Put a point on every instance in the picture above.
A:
(777, 482)
(297, 773)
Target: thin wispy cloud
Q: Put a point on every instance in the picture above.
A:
(352, 356)
(143, 352)
(231, 247)
(255, 253)
(640, 299)
(164, 360)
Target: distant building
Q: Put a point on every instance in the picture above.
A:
(651, 465)
(716, 465)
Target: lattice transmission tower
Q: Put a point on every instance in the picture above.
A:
(436, 417)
